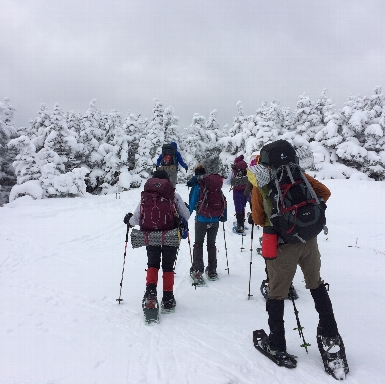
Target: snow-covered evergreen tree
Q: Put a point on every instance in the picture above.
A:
(150, 146)
(91, 136)
(308, 119)
(287, 120)
(38, 127)
(7, 155)
(27, 164)
(265, 126)
(61, 139)
(196, 142)
(134, 129)
(325, 108)
(213, 148)
(114, 121)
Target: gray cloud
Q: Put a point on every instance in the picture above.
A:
(193, 55)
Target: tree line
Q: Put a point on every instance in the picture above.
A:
(69, 154)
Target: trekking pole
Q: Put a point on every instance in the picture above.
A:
(251, 257)
(299, 327)
(242, 247)
(227, 260)
(124, 262)
(189, 245)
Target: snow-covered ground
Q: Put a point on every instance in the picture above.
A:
(60, 269)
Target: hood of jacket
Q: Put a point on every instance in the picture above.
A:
(174, 144)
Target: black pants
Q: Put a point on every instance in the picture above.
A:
(165, 253)
(201, 229)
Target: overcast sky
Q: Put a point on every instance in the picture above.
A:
(193, 55)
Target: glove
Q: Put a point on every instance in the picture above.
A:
(326, 230)
(250, 219)
(187, 206)
(127, 218)
(186, 169)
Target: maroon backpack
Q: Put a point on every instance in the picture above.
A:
(239, 179)
(212, 202)
(157, 206)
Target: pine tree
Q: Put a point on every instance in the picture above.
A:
(91, 136)
(27, 164)
(38, 127)
(196, 141)
(150, 146)
(307, 118)
(114, 121)
(133, 128)
(7, 155)
(61, 139)
(213, 149)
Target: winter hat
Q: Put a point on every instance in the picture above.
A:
(162, 174)
(239, 158)
(242, 165)
(199, 170)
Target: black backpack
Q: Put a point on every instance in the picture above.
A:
(297, 213)
(169, 149)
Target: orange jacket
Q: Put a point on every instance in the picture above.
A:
(258, 212)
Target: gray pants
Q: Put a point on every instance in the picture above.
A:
(200, 233)
(281, 270)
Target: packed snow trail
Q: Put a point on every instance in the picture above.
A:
(61, 266)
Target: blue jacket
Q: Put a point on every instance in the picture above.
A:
(193, 202)
(179, 159)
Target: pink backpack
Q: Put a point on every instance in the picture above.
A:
(157, 206)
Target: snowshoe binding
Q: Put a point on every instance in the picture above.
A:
(211, 274)
(333, 355)
(168, 303)
(197, 279)
(238, 229)
(262, 344)
(150, 305)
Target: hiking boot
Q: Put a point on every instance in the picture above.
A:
(211, 273)
(195, 274)
(168, 302)
(240, 229)
(150, 299)
(333, 355)
(281, 358)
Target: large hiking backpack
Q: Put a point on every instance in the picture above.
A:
(157, 206)
(239, 179)
(212, 201)
(297, 213)
(168, 149)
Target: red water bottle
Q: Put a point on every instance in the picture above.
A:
(269, 243)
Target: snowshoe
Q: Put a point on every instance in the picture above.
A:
(238, 230)
(150, 306)
(197, 279)
(211, 274)
(282, 359)
(333, 355)
(168, 303)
